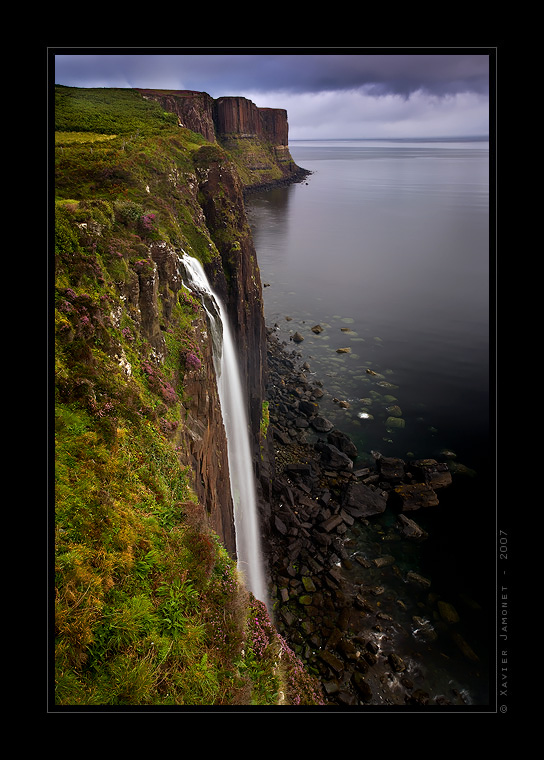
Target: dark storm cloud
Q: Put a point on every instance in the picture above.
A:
(233, 73)
(326, 94)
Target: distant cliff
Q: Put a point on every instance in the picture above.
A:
(257, 138)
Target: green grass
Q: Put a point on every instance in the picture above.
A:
(149, 608)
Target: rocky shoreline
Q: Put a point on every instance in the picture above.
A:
(334, 605)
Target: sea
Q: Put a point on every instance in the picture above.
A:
(387, 247)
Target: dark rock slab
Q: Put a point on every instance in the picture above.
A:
(333, 457)
(391, 468)
(411, 496)
(435, 474)
(363, 498)
(321, 424)
(343, 443)
(410, 529)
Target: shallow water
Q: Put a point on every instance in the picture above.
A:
(386, 247)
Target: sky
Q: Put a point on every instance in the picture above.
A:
(328, 93)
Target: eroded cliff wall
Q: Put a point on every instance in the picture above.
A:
(257, 138)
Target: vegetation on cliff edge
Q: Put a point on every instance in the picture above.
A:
(149, 608)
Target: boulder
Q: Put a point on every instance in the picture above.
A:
(333, 458)
(395, 422)
(321, 424)
(396, 662)
(435, 474)
(331, 523)
(297, 338)
(410, 529)
(335, 663)
(343, 443)
(414, 496)
(391, 468)
(365, 499)
(307, 407)
(361, 686)
(417, 578)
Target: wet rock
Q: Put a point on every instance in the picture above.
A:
(343, 350)
(280, 526)
(299, 469)
(410, 529)
(333, 662)
(308, 584)
(435, 474)
(423, 629)
(308, 407)
(448, 613)
(331, 687)
(396, 662)
(317, 329)
(321, 424)
(383, 561)
(333, 457)
(343, 443)
(331, 523)
(280, 436)
(411, 496)
(417, 578)
(368, 501)
(346, 698)
(362, 687)
(394, 410)
(395, 422)
(348, 650)
(297, 337)
(418, 697)
(391, 468)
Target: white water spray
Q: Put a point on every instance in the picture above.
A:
(233, 408)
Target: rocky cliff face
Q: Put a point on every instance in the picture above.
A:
(193, 109)
(258, 138)
(239, 116)
(200, 440)
(236, 277)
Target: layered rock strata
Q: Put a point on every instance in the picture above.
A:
(258, 137)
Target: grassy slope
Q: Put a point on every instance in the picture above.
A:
(148, 606)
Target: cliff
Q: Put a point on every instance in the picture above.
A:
(257, 138)
(148, 604)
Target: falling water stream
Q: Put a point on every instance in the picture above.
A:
(234, 413)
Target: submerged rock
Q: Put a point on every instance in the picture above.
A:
(448, 613)
(395, 422)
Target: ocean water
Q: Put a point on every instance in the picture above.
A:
(386, 246)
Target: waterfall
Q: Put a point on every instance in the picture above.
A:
(233, 406)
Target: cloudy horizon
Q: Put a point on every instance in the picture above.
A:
(327, 96)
